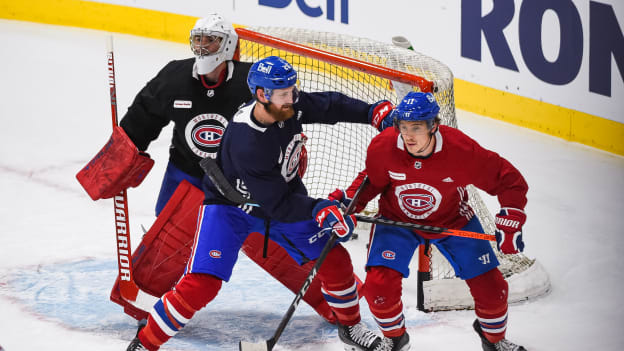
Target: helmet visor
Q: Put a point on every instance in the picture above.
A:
(206, 43)
(284, 96)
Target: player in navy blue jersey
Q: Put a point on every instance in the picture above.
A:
(259, 157)
(199, 96)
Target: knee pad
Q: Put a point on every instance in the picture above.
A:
(490, 292)
(197, 290)
(337, 270)
(383, 288)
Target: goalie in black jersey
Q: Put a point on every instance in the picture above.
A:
(259, 156)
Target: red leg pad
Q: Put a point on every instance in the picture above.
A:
(161, 256)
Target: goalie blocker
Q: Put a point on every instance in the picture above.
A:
(161, 257)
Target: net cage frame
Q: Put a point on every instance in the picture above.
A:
(371, 71)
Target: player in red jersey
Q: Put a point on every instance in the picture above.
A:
(421, 169)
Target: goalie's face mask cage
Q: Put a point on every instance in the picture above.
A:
(213, 41)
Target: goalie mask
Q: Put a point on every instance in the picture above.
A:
(417, 106)
(213, 41)
(272, 73)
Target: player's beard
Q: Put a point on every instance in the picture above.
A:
(280, 114)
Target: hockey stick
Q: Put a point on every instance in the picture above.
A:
(127, 287)
(426, 228)
(212, 170)
(268, 345)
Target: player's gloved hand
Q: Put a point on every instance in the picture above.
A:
(328, 215)
(340, 196)
(379, 115)
(509, 222)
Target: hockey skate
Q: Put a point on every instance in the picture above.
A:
(399, 343)
(136, 345)
(503, 345)
(358, 337)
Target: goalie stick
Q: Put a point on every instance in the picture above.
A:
(268, 345)
(127, 287)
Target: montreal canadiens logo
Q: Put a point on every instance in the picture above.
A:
(292, 155)
(204, 132)
(215, 253)
(418, 200)
(388, 255)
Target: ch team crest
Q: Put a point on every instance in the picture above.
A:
(203, 134)
(291, 156)
(418, 200)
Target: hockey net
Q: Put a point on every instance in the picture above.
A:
(370, 70)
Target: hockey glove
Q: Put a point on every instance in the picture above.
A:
(119, 165)
(509, 222)
(328, 215)
(379, 115)
(340, 196)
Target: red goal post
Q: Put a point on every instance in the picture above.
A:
(365, 69)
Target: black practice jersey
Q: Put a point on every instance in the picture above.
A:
(262, 161)
(199, 114)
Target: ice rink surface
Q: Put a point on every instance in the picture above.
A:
(57, 247)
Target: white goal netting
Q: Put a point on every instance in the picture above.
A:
(365, 69)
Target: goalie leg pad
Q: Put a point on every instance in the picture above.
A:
(489, 291)
(161, 256)
(383, 293)
(118, 166)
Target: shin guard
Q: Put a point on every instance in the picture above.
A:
(340, 286)
(171, 313)
(383, 294)
(490, 291)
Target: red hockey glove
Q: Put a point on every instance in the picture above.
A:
(379, 115)
(340, 196)
(509, 222)
(329, 216)
(118, 166)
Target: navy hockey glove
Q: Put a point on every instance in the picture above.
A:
(328, 215)
(379, 115)
(509, 222)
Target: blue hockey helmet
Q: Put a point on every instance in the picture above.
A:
(270, 73)
(417, 106)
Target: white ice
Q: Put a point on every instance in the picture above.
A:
(57, 248)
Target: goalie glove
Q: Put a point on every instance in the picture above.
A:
(379, 115)
(328, 216)
(509, 222)
(118, 166)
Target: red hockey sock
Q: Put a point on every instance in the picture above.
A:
(490, 291)
(177, 307)
(339, 286)
(383, 292)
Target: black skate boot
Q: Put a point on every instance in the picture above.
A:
(503, 345)
(399, 343)
(358, 337)
(136, 345)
